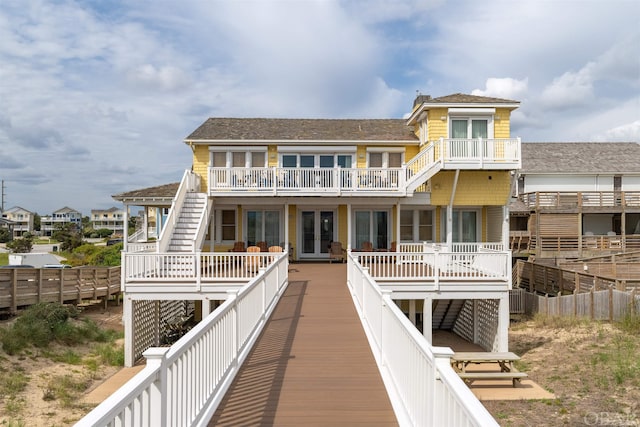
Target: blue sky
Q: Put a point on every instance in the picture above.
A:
(96, 97)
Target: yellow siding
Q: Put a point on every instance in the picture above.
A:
(475, 188)
(342, 225)
(436, 127)
(410, 152)
(272, 153)
(361, 156)
(201, 164)
(501, 126)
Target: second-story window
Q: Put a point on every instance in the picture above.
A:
(385, 159)
(465, 128)
(243, 157)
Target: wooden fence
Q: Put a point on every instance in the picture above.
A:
(551, 280)
(610, 304)
(21, 287)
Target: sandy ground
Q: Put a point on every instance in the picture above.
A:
(564, 362)
(38, 404)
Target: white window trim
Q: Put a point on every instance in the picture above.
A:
(415, 223)
(245, 228)
(218, 224)
(469, 118)
(316, 160)
(229, 154)
(385, 155)
(347, 149)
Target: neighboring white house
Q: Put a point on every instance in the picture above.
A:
(61, 217)
(22, 220)
(112, 219)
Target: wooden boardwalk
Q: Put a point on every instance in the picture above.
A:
(312, 366)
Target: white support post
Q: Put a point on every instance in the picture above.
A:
(156, 357)
(427, 319)
(505, 227)
(475, 321)
(412, 311)
(127, 320)
(503, 323)
(125, 229)
(206, 307)
(212, 228)
(397, 222)
(349, 229)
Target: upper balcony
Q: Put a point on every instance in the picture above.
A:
(581, 199)
(451, 154)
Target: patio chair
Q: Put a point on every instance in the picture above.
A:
(263, 246)
(367, 247)
(238, 247)
(337, 252)
(614, 242)
(275, 249)
(253, 261)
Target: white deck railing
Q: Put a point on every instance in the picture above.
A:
(423, 387)
(183, 385)
(299, 180)
(175, 268)
(453, 153)
(434, 264)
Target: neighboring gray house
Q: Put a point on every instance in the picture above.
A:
(577, 199)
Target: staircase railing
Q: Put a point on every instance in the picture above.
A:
(203, 222)
(422, 386)
(190, 182)
(422, 167)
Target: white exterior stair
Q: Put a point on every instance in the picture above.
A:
(186, 227)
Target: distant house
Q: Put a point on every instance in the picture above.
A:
(576, 200)
(22, 220)
(112, 219)
(59, 218)
(6, 224)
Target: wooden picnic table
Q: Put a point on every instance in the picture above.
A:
(505, 360)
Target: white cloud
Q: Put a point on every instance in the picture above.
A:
(106, 91)
(572, 89)
(507, 88)
(627, 132)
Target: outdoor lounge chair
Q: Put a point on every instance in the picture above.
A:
(337, 252)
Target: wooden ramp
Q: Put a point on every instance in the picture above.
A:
(312, 366)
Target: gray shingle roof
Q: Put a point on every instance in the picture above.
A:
(462, 98)
(303, 129)
(167, 191)
(580, 157)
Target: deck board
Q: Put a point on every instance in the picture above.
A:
(312, 366)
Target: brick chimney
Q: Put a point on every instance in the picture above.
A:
(420, 99)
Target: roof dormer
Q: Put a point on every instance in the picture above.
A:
(461, 116)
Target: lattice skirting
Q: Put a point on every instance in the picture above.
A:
(150, 319)
(487, 323)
